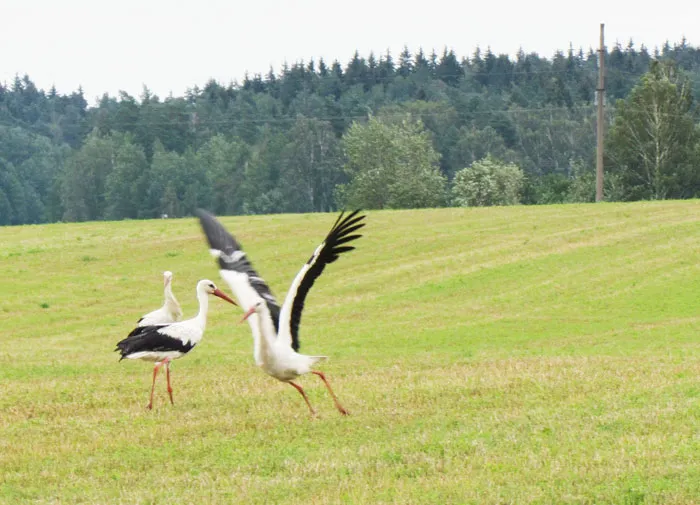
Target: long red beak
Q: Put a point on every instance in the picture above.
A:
(223, 296)
(248, 314)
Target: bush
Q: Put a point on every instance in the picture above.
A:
(488, 182)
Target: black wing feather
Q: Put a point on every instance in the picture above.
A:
(149, 339)
(223, 241)
(349, 238)
(332, 248)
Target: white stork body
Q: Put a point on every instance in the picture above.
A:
(274, 354)
(276, 330)
(170, 312)
(162, 343)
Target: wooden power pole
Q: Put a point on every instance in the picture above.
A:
(600, 122)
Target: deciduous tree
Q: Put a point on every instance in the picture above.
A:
(653, 140)
(391, 165)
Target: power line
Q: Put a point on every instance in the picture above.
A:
(462, 116)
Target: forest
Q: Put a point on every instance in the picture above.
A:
(380, 131)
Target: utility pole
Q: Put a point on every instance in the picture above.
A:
(600, 122)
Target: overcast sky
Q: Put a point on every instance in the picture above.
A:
(170, 46)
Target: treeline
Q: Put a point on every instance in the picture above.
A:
(284, 142)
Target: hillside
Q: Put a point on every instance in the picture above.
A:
(278, 143)
(498, 355)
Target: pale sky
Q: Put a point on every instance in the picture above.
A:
(170, 46)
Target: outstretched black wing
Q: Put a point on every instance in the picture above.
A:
(335, 244)
(231, 258)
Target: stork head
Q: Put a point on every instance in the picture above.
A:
(167, 277)
(210, 288)
(256, 307)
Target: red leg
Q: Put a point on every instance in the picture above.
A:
(306, 398)
(167, 374)
(335, 398)
(153, 385)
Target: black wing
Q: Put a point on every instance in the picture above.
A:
(149, 339)
(333, 246)
(231, 257)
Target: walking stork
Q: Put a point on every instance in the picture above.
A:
(276, 329)
(165, 342)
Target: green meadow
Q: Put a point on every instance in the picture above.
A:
(514, 355)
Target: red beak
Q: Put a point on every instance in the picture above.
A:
(248, 314)
(223, 296)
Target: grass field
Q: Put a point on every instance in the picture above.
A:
(488, 356)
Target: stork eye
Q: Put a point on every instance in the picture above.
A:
(212, 286)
